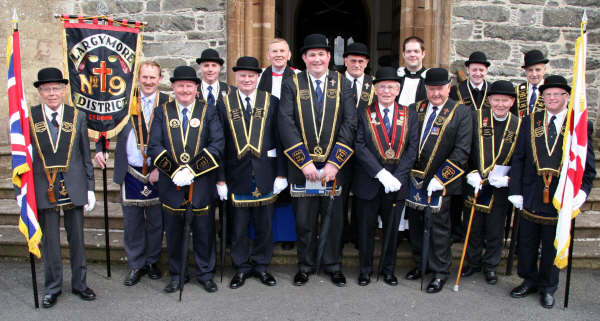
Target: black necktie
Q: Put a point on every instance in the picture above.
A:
(429, 123)
(211, 98)
(248, 109)
(54, 129)
(532, 99)
(551, 131)
(354, 88)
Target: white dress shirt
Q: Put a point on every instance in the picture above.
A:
(560, 118)
(322, 85)
(409, 91)
(134, 155)
(427, 114)
(252, 97)
(530, 91)
(359, 83)
(48, 111)
(215, 90)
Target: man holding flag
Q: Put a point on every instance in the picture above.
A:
(537, 160)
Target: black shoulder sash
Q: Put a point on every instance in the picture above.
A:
(184, 145)
(485, 141)
(247, 141)
(548, 159)
(366, 94)
(523, 104)
(57, 156)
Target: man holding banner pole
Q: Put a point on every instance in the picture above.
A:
(536, 166)
(142, 214)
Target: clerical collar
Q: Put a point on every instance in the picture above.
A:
(415, 74)
(278, 71)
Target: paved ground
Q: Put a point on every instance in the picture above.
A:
(318, 300)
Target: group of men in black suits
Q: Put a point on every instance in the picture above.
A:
(403, 142)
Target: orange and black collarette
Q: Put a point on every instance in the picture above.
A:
(389, 148)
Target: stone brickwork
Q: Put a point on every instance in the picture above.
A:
(505, 29)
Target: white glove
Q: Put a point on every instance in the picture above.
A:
(390, 182)
(517, 201)
(91, 202)
(499, 181)
(434, 186)
(222, 191)
(474, 179)
(579, 200)
(279, 185)
(183, 177)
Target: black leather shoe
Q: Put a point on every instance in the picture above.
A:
(436, 285)
(338, 278)
(87, 294)
(265, 278)
(174, 285)
(154, 271)
(469, 270)
(209, 285)
(547, 300)
(364, 279)
(413, 274)
(491, 277)
(300, 278)
(134, 276)
(287, 246)
(49, 300)
(522, 291)
(390, 279)
(238, 280)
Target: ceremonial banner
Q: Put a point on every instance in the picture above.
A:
(574, 153)
(101, 56)
(20, 146)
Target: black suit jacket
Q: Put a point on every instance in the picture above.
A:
(525, 181)
(121, 163)
(238, 172)
(290, 130)
(78, 179)
(211, 138)
(455, 146)
(367, 164)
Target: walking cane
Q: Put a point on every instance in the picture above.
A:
(464, 251)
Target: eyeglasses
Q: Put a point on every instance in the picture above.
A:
(550, 95)
(48, 90)
(386, 87)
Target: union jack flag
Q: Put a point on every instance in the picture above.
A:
(20, 145)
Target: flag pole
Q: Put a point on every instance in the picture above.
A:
(570, 260)
(34, 281)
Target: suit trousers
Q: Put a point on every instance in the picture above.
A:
(367, 213)
(440, 254)
(544, 277)
(307, 211)
(259, 258)
(51, 252)
(203, 231)
(143, 234)
(487, 231)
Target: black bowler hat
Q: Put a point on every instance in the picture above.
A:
(210, 55)
(502, 87)
(50, 74)
(386, 73)
(358, 49)
(477, 57)
(247, 63)
(315, 41)
(534, 57)
(555, 81)
(436, 77)
(185, 73)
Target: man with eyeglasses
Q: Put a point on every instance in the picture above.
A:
(528, 94)
(386, 146)
(536, 166)
(64, 180)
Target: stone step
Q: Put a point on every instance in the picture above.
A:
(12, 244)
(7, 191)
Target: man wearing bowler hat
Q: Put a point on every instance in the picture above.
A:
(445, 131)
(317, 125)
(253, 173)
(386, 146)
(211, 89)
(528, 93)
(472, 92)
(495, 132)
(536, 166)
(64, 180)
(186, 145)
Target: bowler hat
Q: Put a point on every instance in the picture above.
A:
(534, 57)
(436, 77)
(315, 41)
(210, 55)
(386, 73)
(477, 57)
(555, 81)
(247, 63)
(358, 49)
(185, 73)
(502, 87)
(48, 75)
